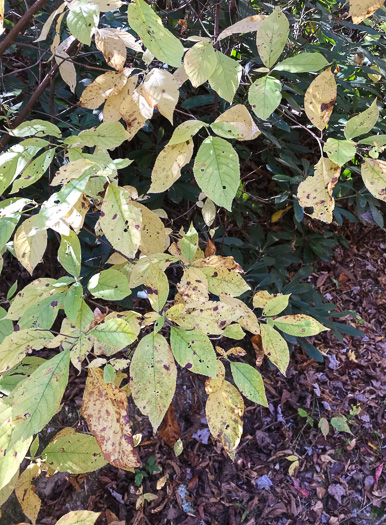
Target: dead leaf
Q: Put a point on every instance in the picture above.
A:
(169, 430)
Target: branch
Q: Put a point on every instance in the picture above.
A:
(20, 25)
(35, 97)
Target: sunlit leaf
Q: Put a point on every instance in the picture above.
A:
(339, 151)
(79, 517)
(168, 165)
(302, 63)
(362, 9)
(320, 99)
(236, 123)
(264, 96)
(226, 77)
(374, 176)
(199, 62)
(362, 123)
(272, 36)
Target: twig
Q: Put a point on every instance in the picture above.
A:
(20, 25)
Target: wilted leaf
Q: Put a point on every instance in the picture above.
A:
(374, 176)
(320, 99)
(112, 47)
(104, 86)
(272, 36)
(316, 191)
(153, 374)
(105, 409)
(324, 426)
(217, 172)
(170, 431)
(224, 410)
(362, 9)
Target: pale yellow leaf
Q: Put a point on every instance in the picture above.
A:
(362, 9)
(180, 76)
(213, 384)
(316, 191)
(236, 123)
(153, 236)
(248, 319)
(47, 24)
(160, 90)
(374, 176)
(105, 409)
(79, 517)
(224, 410)
(66, 67)
(320, 99)
(112, 48)
(275, 347)
(71, 170)
(186, 131)
(193, 286)
(168, 165)
(208, 212)
(246, 25)
(200, 62)
(260, 299)
(105, 85)
(111, 109)
(25, 492)
(30, 243)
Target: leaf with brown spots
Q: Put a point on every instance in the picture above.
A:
(362, 9)
(170, 430)
(224, 409)
(25, 492)
(223, 275)
(153, 375)
(215, 383)
(105, 408)
(299, 325)
(374, 176)
(316, 192)
(320, 99)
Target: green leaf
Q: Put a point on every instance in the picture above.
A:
(120, 221)
(340, 424)
(185, 131)
(36, 128)
(373, 140)
(193, 349)
(73, 301)
(362, 123)
(234, 331)
(217, 171)
(178, 448)
(276, 305)
(271, 37)
(18, 344)
(302, 63)
(108, 135)
(69, 253)
(42, 315)
(374, 176)
(225, 77)
(110, 285)
(83, 20)
(74, 453)
(162, 44)
(153, 376)
(115, 332)
(275, 347)
(200, 62)
(34, 171)
(108, 374)
(9, 380)
(264, 96)
(189, 243)
(250, 383)
(7, 227)
(340, 151)
(299, 325)
(37, 399)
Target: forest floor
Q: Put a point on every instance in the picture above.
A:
(340, 478)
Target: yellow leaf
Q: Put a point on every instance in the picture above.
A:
(209, 212)
(105, 409)
(320, 99)
(112, 48)
(275, 347)
(153, 236)
(316, 191)
(71, 170)
(104, 86)
(66, 67)
(236, 123)
(279, 214)
(374, 176)
(199, 62)
(111, 109)
(260, 299)
(224, 409)
(168, 165)
(214, 384)
(30, 243)
(223, 275)
(25, 492)
(79, 517)
(161, 482)
(246, 25)
(248, 319)
(362, 9)
(292, 458)
(193, 286)
(160, 89)
(180, 76)
(293, 467)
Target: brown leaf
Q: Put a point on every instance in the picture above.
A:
(210, 249)
(170, 430)
(258, 347)
(105, 408)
